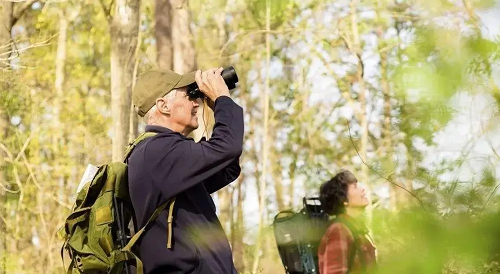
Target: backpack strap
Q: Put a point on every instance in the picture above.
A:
(134, 143)
(356, 244)
(157, 212)
(170, 219)
(124, 256)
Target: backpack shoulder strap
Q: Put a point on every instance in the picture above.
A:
(159, 210)
(356, 243)
(155, 215)
(134, 143)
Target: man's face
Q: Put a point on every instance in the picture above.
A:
(356, 196)
(183, 111)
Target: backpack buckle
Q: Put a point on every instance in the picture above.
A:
(78, 262)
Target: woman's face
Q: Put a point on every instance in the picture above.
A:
(356, 196)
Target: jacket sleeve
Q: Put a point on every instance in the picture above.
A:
(223, 177)
(337, 248)
(178, 164)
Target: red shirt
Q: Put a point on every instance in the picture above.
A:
(336, 245)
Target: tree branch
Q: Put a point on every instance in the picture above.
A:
(20, 9)
(490, 144)
(7, 56)
(37, 184)
(343, 92)
(11, 159)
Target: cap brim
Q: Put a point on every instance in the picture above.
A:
(186, 80)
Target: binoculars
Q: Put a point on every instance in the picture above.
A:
(228, 74)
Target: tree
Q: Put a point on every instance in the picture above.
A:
(124, 31)
(265, 141)
(55, 101)
(163, 34)
(175, 45)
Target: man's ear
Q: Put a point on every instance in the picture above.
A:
(163, 106)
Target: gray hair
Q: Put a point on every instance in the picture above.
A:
(150, 116)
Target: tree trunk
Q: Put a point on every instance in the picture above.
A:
(184, 59)
(163, 34)
(59, 79)
(175, 49)
(238, 246)
(277, 179)
(387, 142)
(224, 199)
(6, 9)
(58, 135)
(389, 166)
(134, 123)
(363, 105)
(134, 117)
(406, 200)
(124, 30)
(291, 187)
(265, 142)
(6, 17)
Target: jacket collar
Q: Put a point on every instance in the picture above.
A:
(160, 129)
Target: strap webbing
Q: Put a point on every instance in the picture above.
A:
(128, 248)
(356, 245)
(170, 219)
(62, 253)
(136, 237)
(134, 143)
(126, 256)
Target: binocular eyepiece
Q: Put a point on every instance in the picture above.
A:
(228, 74)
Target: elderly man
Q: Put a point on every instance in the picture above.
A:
(169, 164)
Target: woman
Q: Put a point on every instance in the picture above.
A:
(346, 246)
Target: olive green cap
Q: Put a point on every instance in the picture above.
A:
(156, 84)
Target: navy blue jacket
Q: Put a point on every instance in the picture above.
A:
(171, 165)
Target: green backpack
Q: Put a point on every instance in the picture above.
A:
(96, 234)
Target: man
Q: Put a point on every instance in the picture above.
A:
(170, 164)
(346, 246)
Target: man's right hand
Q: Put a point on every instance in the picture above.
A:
(211, 83)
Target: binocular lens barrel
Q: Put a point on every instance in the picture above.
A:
(228, 74)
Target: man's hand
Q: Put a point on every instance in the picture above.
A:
(211, 83)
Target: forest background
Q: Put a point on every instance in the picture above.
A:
(403, 93)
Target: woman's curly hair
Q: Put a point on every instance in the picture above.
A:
(333, 193)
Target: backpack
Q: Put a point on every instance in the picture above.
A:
(98, 233)
(298, 236)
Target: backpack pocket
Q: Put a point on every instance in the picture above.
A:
(81, 246)
(79, 217)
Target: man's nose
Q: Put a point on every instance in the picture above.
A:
(196, 103)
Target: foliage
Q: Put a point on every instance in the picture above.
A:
(416, 58)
